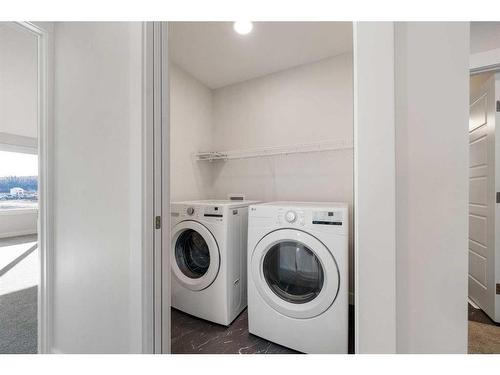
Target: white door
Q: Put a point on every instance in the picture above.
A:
(295, 273)
(482, 194)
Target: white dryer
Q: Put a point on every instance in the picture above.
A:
(298, 275)
(209, 258)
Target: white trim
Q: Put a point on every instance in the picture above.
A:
(18, 233)
(19, 149)
(157, 186)
(18, 211)
(474, 304)
(158, 175)
(45, 204)
(148, 333)
(165, 188)
(484, 61)
(374, 188)
(18, 143)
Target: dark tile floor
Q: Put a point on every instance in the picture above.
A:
(191, 335)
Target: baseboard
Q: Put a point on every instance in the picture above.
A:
(18, 233)
(474, 304)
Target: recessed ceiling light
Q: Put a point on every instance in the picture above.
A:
(243, 27)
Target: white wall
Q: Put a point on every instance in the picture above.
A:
(97, 188)
(18, 82)
(310, 103)
(191, 131)
(307, 104)
(484, 45)
(432, 97)
(484, 36)
(18, 222)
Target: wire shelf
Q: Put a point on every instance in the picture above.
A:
(274, 151)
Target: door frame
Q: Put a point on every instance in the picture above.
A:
(165, 187)
(156, 218)
(374, 188)
(156, 192)
(487, 62)
(485, 301)
(374, 126)
(45, 201)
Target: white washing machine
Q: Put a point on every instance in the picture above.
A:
(209, 258)
(298, 275)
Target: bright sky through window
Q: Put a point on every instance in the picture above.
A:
(18, 164)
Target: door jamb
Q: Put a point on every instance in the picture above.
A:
(156, 182)
(374, 188)
(157, 219)
(165, 193)
(148, 301)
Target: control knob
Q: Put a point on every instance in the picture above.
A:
(190, 211)
(290, 216)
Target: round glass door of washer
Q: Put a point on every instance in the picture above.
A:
(195, 255)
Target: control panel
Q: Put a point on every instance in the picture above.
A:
(198, 212)
(213, 211)
(327, 217)
(301, 218)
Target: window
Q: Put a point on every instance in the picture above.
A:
(18, 181)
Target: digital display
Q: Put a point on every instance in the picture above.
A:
(212, 211)
(327, 218)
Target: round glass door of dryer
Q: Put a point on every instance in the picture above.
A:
(195, 255)
(295, 273)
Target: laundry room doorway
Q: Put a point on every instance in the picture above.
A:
(262, 112)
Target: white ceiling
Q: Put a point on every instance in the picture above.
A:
(217, 56)
(484, 36)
